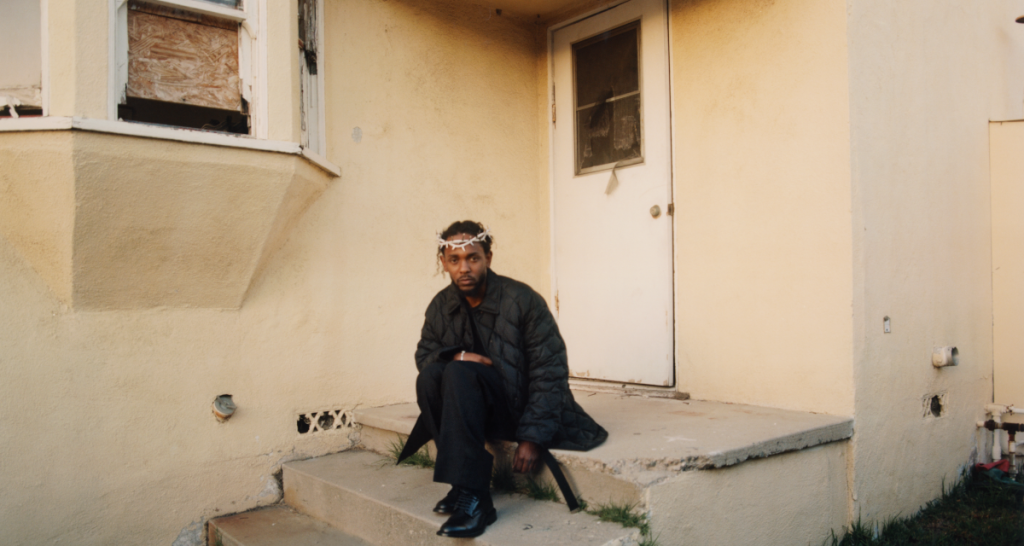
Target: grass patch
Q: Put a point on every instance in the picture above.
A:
(421, 458)
(539, 490)
(625, 515)
(622, 514)
(977, 510)
(503, 480)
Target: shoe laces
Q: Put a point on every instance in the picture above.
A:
(467, 502)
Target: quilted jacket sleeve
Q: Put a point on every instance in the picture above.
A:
(431, 347)
(547, 370)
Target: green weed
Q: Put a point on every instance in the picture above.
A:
(624, 515)
(539, 490)
(503, 479)
(421, 458)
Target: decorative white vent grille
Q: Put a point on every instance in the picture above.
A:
(320, 421)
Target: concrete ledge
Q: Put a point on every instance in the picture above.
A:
(652, 439)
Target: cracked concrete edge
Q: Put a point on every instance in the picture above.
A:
(784, 444)
(645, 472)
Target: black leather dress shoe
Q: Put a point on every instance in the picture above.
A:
(447, 504)
(473, 512)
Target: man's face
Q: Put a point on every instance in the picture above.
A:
(467, 266)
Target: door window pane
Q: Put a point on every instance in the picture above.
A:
(608, 107)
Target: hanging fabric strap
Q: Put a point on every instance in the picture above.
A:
(563, 484)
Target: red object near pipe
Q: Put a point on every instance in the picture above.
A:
(1001, 464)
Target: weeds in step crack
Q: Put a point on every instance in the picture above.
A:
(540, 490)
(503, 480)
(421, 458)
(625, 515)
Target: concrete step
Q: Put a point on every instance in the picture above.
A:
(650, 440)
(364, 494)
(276, 526)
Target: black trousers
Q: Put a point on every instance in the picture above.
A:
(463, 404)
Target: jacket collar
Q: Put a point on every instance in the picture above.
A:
(492, 296)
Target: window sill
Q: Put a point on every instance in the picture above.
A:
(144, 130)
(205, 8)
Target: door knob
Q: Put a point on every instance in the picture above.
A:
(655, 211)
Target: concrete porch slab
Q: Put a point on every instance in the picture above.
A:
(649, 438)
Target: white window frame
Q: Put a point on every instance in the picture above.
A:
(252, 53)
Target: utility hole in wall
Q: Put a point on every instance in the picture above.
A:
(934, 405)
(319, 421)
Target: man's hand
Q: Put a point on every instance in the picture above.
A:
(527, 457)
(473, 357)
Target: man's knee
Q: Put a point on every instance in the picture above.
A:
(459, 373)
(429, 379)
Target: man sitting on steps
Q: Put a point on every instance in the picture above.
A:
(492, 366)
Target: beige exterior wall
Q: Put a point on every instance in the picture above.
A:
(1008, 261)
(37, 203)
(105, 414)
(78, 31)
(762, 200)
(925, 78)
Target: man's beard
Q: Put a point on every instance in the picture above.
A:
(476, 292)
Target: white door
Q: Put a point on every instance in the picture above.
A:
(612, 191)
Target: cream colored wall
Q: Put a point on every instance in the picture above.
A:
(105, 415)
(37, 203)
(762, 201)
(432, 115)
(284, 120)
(925, 78)
(1007, 149)
(77, 55)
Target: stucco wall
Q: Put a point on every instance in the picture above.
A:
(925, 78)
(105, 415)
(762, 200)
(783, 500)
(1007, 142)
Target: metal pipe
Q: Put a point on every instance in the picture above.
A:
(1011, 445)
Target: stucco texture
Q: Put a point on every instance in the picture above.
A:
(762, 200)
(784, 500)
(925, 78)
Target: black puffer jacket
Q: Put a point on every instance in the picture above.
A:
(522, 340)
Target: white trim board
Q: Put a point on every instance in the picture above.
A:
(142, 130)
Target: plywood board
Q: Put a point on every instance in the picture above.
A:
(173, 60)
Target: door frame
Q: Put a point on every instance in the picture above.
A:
(553, 267)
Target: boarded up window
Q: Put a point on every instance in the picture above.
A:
(21, 71)
(183, 58)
